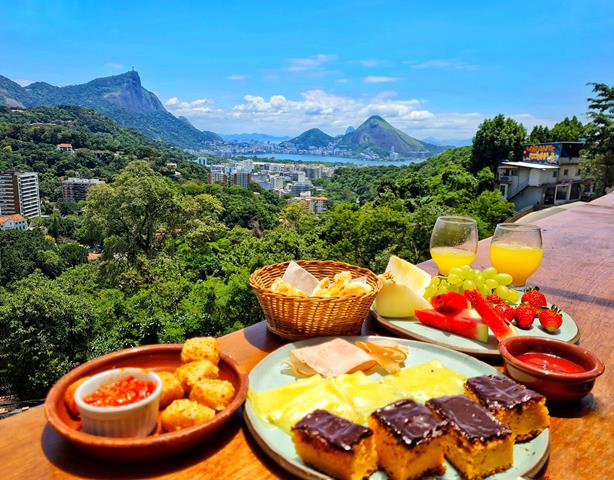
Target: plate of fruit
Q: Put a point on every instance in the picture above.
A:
(469, 310)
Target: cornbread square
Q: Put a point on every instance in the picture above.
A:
(408, 440)
(201, 348)
(185, 413)
(335, 446)
(191, 373)
(477, 444)
(213, 393)
(521, 410)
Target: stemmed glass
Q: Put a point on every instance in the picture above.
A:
(454, 242)
(516, 249)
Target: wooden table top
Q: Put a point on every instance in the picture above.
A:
(577, 273)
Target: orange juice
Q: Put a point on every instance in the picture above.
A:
(517, 259)
(450, 257)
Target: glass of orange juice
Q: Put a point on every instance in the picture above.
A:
(516, 249)
(454, 242)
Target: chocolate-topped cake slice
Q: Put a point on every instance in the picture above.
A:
(477, 444)
(521, 410)
(335, 446)
(408, 440)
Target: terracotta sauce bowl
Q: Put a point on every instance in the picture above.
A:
(555, 386)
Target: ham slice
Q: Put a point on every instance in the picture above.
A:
(331, 358)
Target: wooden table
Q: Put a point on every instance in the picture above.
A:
(577, 273)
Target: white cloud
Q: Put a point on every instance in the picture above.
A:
(115, 66)
(309, 63)
(236, 77)
(369, 63)
(278, 114)
(380, 79)
(450, 64)
(23, 82)
(342, 81)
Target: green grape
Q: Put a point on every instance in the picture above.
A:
(466, 268)
(512, 295)
(489, 272)
(468, 285)
(442, 289)
(436, 281)
(429, 292)
(483, 290)
(454, 279)
(479, 278)
(502, 291)
(469, 274)
(491, 284)
(503, 278)
(455, 271)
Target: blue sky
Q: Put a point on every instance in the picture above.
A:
(431, 68)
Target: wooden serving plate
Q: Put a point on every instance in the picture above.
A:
(163, 357)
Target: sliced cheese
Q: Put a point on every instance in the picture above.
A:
(330, 358)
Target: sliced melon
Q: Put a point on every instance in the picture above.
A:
(408, 274)
(398, 300)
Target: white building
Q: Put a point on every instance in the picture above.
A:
(75, 189)
(19, 194)
(277, 182)
(548, 174)
(13, 222)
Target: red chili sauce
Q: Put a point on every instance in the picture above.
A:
(123, 392)
(550, 362)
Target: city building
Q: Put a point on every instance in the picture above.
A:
(318, 204)
(201, 161)
(13, 222)
(75, 189)
(216, 176)
(548, 174)
(313, 172)
(277, 182)
(19, 194)
(64, 147)
(242, 179)
(297, 187)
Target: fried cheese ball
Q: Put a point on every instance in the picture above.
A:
(171, 388)
(200, 348)
(212, 393)
(69, 396)
(185, 413)
(190, 373)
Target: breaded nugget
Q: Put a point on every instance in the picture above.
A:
(69, 396)
(356, 288)
(201, 348)
(171, 388)
(190, 373)
(185, 413)
(215, 394)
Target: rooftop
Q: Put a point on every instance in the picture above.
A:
(16, 218)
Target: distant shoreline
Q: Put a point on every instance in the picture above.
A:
(295, 158)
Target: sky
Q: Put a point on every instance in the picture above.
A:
(435, 68)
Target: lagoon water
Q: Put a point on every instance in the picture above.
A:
(321, 159)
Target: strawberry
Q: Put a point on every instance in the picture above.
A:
(496, 299)
(534, 297)
(524, 315)
(505, 310)
(449, 303)
(550, 319)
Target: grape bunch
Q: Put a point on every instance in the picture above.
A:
(463, 278)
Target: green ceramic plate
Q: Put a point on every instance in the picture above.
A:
(412, 328)
(529, 457)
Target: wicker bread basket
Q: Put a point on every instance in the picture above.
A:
(295, 317)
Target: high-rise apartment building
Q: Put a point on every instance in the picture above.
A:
(242, 179)
(19, 194)
(75, 189)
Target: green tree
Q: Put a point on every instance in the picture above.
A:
(497, 139)
(540, 134)
(600, 135)
(568, 130)
(44, 333)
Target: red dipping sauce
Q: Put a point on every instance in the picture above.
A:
(123, 392)
(550, 362)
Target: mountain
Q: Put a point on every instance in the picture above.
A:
(311, 138)
(350, 129)
(377, 136)
(120, 97)
(454, 142)
(253, 137)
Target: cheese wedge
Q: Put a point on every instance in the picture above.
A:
(330, 359)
